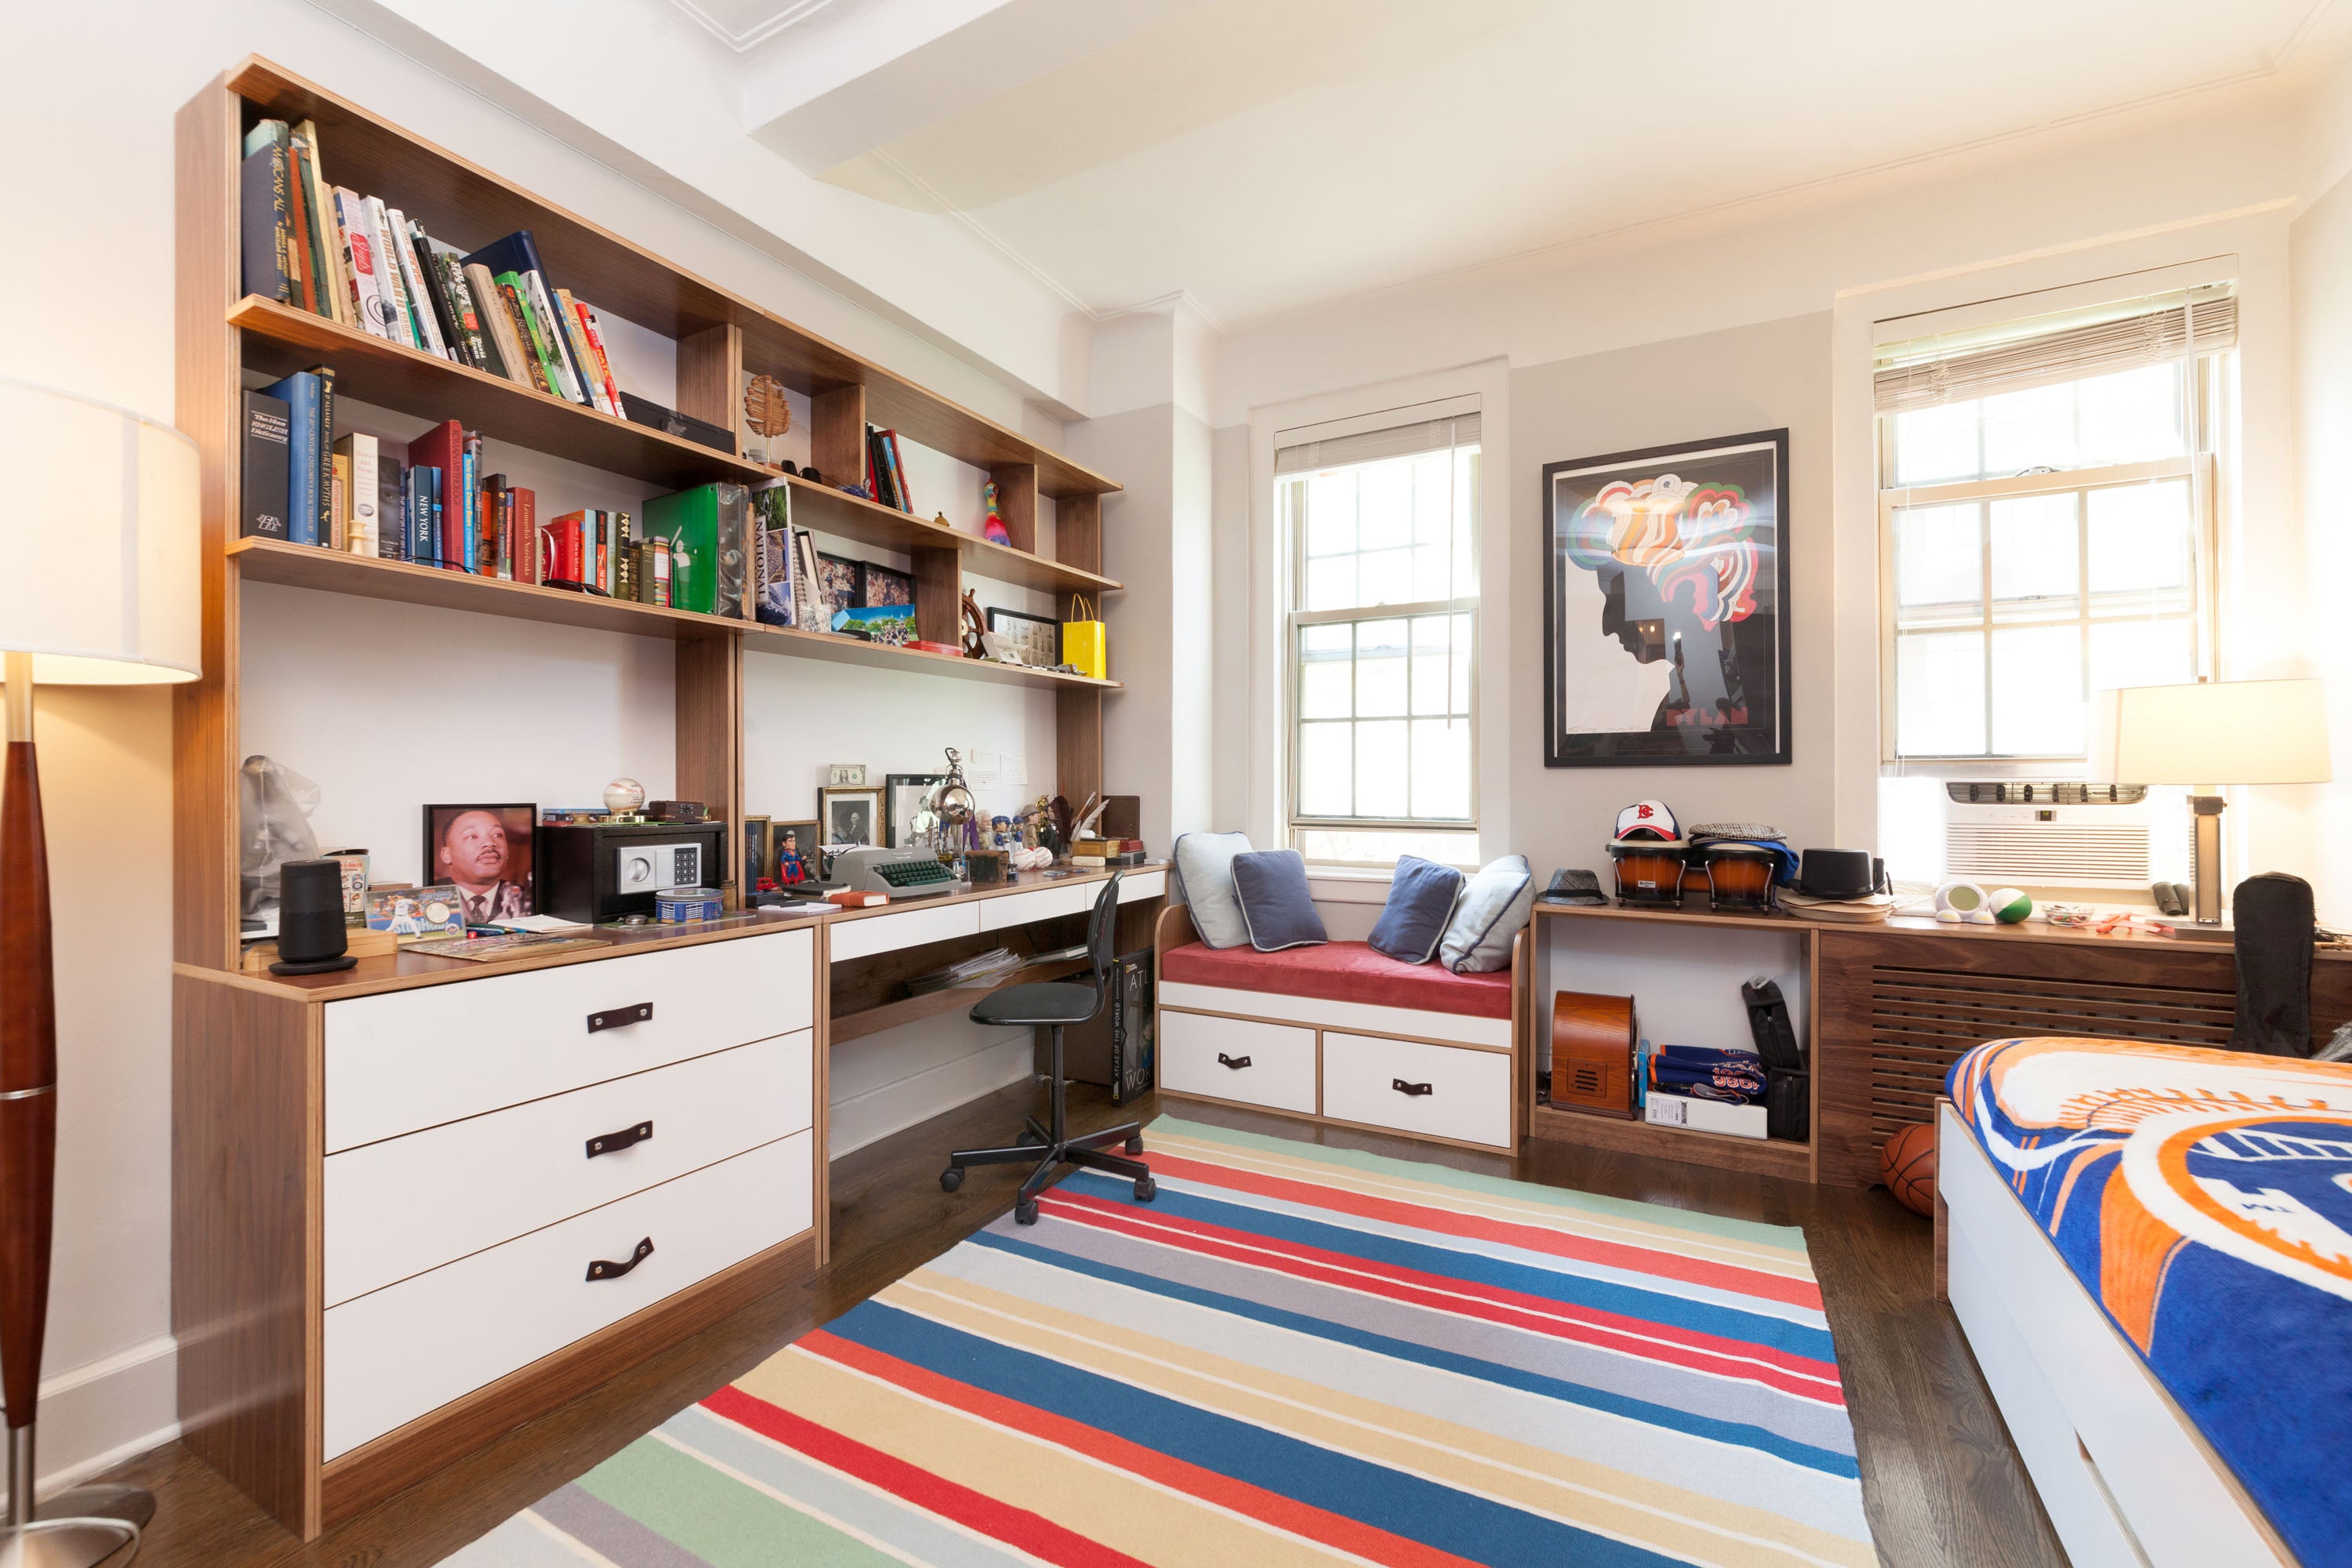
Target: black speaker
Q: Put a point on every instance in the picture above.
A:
(310, 919)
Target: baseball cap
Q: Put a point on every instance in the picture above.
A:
(1647, 819)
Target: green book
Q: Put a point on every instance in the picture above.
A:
(541, 346)
(707, 532)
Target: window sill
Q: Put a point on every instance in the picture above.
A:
(1349, 884)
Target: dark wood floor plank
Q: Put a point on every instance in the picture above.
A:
(1941, 1481)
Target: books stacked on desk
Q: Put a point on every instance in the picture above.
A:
(354, 260)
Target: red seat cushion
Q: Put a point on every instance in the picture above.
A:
(1341, 971)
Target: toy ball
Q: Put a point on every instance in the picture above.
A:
(1959, 900)
(623, 796)
(2008, 906)
(1906, 1164)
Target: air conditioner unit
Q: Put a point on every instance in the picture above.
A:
(2048, 835)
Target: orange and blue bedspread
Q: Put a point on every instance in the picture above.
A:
(2204, 1198)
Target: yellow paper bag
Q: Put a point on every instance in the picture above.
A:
(1083, 641)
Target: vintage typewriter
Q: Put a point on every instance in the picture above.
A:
(901, 873)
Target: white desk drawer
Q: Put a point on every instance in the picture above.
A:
(396, 1354)
(406, 1059)
(402, 1205)
(1468, 1097)
(1238, 1058)
(888, 934)
(1039, 904)
(1142, 885)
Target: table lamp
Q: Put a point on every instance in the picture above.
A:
(99, 538)
(2205, 736)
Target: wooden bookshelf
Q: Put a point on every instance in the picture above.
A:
(225, 339)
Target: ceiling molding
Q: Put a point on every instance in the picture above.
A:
(752, 36)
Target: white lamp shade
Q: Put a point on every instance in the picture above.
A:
(98, 538)
(2215, 732)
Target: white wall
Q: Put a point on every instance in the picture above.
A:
(2322, 252)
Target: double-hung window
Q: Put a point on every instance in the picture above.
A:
(1380, 527)
(2047, 522)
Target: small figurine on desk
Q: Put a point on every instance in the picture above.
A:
(792, 870)
(993, 528)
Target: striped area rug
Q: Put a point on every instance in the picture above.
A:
(1295, 1356)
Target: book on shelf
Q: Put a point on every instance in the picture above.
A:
(325, 240)
(576, 339)
(506, 351)
(594, 327)
(266, 228)
(265, 466)
(309, 397)
(338, 486)
(776, 596)
(355, 515)
(443, 449)
(359, 263)
(890, 471)
(400, 320)
(446, 325)
(390, 506)
(403, 245)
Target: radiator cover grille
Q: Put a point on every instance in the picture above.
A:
(1922, 1020)
(2069, 855)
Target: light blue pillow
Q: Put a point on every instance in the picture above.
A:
(1420, 902)
(1271, 887)
(1492, 907)
(1204, 882)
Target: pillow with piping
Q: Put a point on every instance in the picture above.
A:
(1271, 887)
(1204, 884)
(1495, 904)
(1421, 901)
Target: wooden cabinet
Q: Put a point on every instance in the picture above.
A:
(392, 1187)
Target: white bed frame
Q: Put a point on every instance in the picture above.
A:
(2129, 1481)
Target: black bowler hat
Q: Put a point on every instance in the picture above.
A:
(1837, 874)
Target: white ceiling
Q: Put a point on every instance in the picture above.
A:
(1264, 155)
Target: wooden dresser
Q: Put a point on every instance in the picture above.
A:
(417, 1208)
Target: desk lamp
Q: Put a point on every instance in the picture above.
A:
(2207, 735)
(98, 539)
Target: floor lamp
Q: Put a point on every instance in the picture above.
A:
(98, 538)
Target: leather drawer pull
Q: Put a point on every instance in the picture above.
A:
(603, 1270)
(614, 1142)
(1236, 1063)
(620, 1017)
(1410, 1088)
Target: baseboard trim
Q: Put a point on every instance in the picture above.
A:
(94, 1417)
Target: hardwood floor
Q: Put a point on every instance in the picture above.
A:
(1942, 1484)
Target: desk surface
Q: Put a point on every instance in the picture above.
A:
(406, 970)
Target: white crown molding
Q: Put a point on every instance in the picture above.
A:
(759, 32)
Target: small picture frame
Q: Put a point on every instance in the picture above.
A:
(839, 773)
(851, 816)
(415, 914)
(792, 858)
(1034, 640)
(755, 852)
(904, 800)
(485, 851)
(885, 587)
(840, 583)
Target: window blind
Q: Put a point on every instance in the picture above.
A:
(1371, 446)
(2044, 351)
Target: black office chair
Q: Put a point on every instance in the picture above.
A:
(1058, 1004)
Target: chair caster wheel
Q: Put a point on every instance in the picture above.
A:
(1025, 1214)
(1135, 1144)
(952, 1178)
(1146, 1189)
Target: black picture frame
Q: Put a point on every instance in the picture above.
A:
(885, 587)
(897, 812)
(519, 822)
(1630, 584)
(840, 584)
(1019, 623)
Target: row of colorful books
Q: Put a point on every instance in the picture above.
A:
(887, 469)
(351, 258)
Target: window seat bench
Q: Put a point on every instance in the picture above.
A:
(1343, 1034)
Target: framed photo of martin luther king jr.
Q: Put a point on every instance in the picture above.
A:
(486, 852)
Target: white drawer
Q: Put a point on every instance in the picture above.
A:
(1238, 1058)
(396, 1354)
(1043, 904)
(1469, 1093)
(886, 933)
(1142, 885)
(407, 1060)
(402, 1205)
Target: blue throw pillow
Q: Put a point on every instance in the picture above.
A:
(1495, 905)
(1421, 900)
(1271, 887)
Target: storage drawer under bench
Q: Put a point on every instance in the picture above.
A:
(1436, 1091)
(1242, 1059)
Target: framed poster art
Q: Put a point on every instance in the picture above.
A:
(1035, 640)
(850, 815)
(1666, 605)
(904, 803)
(485, 851)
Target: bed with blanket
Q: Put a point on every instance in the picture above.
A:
(2151, 1251)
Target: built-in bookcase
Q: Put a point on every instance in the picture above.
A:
(223, 335)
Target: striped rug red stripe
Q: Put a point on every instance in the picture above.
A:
(1365, 1541)
(1650, 1340)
